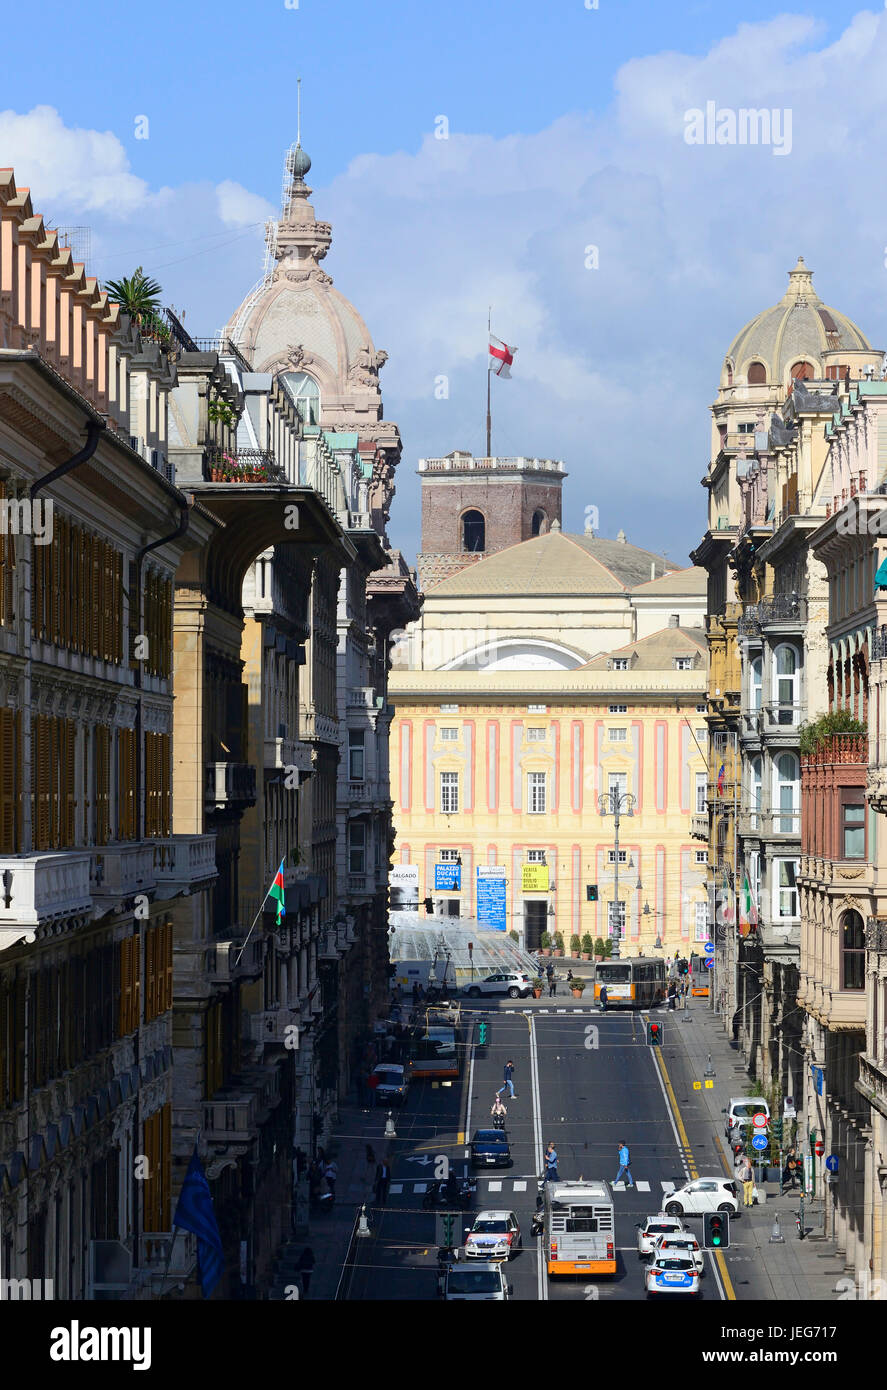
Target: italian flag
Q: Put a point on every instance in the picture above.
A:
(276, 891)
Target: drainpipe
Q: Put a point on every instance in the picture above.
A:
(136, 607)
(94, 429)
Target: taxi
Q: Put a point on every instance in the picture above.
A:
(495, 1235)
(671, 1274)
(680, 1245)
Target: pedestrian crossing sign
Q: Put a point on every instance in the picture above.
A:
(709, 1085)
(697, 1085)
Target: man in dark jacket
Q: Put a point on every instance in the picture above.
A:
(508, 1074)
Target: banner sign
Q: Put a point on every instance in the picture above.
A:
(534, 878)
(491, 896)
(403, 883)
(447, 877)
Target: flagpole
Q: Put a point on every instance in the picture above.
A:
(255, 920)
(489, 422)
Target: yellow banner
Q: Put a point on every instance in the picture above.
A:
(534, 878)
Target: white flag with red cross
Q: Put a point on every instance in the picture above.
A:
(501, 357)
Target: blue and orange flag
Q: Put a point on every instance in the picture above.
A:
(278, 892)
(722, 775)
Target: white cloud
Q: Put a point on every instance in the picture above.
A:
(238, 207)
(78, 170)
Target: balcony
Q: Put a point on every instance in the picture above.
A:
(770, 825)
(227, 961)
(361, 885)
(37, 888)
(362, 794)
(240, 466)
(122, 870)
(781, 718)
(286, 753)
(230, 786)
(165, 1258)
(276, 1027)
(699, 827)
(361, 697)
(739, 443)
(183, 861)
(230, 1120)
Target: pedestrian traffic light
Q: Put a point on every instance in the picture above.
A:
(482, 1034)
(591, 892)
(716, 1230)
(654, 1034)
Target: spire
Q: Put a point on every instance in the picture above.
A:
(800, 285)
(299, 236)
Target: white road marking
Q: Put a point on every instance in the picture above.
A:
(642, 1186)
(420, 1187)
(495, 1187)
(396, 1188)
(520, 1186)
(668, 1187)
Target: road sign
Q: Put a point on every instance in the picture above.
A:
(831, 1163)
(708, 948)
(709, 1085)
(697, 1085)
(760, 1120)
(760, 1141)
(709, 963)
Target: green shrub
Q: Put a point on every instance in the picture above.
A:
(598, 946)
(588, 947)
(838, 721)
(558, 941)
(545, 942)
(575, 945)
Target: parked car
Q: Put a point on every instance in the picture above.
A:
(650, 1230)
(703, 1194)
(740, 1113)
(394, 1083)
(495, 1235)
(671, 1274)
(682, 1244)
(490, 1149)
(516, 984)
(483, 1281)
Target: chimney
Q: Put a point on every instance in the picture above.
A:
(652, 569)
(674, 619)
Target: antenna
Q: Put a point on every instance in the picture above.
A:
(298, 110)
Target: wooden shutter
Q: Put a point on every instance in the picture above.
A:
(125, 986)
(167, 965)
(165, 1165)
(118, 606)
(69, 788)
(102, 784)
(150, 975)
(10, 781)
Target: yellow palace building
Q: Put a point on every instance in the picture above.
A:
(548, 670)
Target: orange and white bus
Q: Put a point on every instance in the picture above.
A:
(578, 1228)
(700, 977)
(633, 982)
(435, 1051)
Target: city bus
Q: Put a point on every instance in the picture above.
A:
(578, 1228)
(634, 982)
(700, 977)
(435, 1049)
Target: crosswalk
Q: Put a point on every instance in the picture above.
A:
(514, 1185)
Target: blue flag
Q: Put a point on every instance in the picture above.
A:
(881, 577)
(194, 1212)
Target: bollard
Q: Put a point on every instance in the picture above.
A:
(363, 1226)
(390, 1132)
(709, 1071)
(776, 1236)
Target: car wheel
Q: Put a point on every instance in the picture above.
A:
(674, 1209)
(726, 1206)
(514, 993)
(474, 992)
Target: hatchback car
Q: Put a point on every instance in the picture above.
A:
(495, 1235)
(490, 1149)
(481, 1282)
(671, 1274)
(680, 1245)
(701, 1195)
(516, 984)
(393, 1084)
(650, 1230)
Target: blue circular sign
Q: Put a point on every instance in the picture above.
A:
(709, 964)
(831, 1163)
(708, 948)
(760, 1141)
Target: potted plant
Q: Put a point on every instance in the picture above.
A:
(558, 944)
(608, 949)
(538, 986)
(577, 985)
(515, 936)
(575, 946)
(587, 947)
(545, 944)
(598, 948)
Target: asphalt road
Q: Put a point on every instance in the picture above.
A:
(586, 1081)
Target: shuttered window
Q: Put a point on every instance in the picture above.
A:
(158, 1151)
(7, 569)
(53, 782)
(11, 789)
(102, 785)
(77, 595)
(126, 784)
(158, 795)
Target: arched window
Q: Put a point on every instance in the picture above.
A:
(754, 790)
(757, 374)
(539, 520)
(785, 681)
(755, 682)
(473, 531)
(786, 794)
(802, 371)
(305, 394)
(852, 951)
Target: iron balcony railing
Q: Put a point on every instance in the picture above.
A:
(779, 608)
(879, 643)
(242, 466)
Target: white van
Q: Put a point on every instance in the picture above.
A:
(480, 1281)
(740, 1113)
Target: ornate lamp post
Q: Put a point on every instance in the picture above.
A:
(616, 803)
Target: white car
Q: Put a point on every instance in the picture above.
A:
(516, 984)
(650, 1230)
(681, 1245)
(702, 1195)
(495, 1235)
(671, 1274)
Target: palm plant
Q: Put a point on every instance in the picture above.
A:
(137, 294)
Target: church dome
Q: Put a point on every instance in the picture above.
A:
(772, 347)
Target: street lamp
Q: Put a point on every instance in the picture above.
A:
(616, 803)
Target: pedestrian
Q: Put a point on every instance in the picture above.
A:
(569, 977)
(331, 1173)
(685, 990)
(372, 1086)
(305, 1267)
(624, 1165)
(790, 1171)
(746, 1176)
(551, 1163)
(508, 1074)
(672, 995)
(552, 985)
(549, 970)
(383, 1178)
(602, 997)
(415, 992)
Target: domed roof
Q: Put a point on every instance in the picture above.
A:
(799, 327)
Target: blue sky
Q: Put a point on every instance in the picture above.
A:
(565, 131)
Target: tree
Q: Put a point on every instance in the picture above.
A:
(588, 946)
(598, 946)
(137, 294)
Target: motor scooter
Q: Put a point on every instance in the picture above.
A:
(441, 1195)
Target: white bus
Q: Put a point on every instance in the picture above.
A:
(578, 1228)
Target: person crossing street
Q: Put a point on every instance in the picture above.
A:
(509, 1082)
(624, 1165)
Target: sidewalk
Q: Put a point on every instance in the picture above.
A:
(329, 1235)
(797, 1270)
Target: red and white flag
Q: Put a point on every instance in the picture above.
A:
(501, 357)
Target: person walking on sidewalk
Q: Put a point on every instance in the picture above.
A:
(305, 1268)
(745, 1174)
(672, 995)
(624, 1165)
(383, 1178)
(790, 1171)
(602, 998)
(509, 1081)
(552, 985)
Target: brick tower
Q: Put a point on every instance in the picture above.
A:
(472, 507)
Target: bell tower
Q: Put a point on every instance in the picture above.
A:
(472, 507)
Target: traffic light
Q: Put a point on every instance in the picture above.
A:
(716, 1230)
(428, 905)
(776, 1132)
(448, 1221)
(654, 1034)
(591, 892)
(482, 1034)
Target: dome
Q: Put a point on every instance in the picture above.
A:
(800, 328)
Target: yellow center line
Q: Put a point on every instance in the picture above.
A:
(691, 1163)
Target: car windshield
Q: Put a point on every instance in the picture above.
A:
(659, 1227)
(488, 1224)
(673, 1264)
(489, 1136)
(748, 1109)
(390, 1078)
(613, 974)
(474, 1281)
